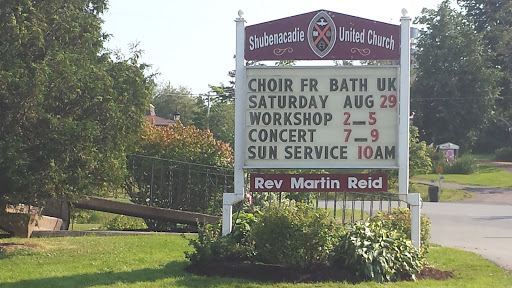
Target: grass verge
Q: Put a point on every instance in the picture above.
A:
(347, 215)
(158, 261)
(84, 227)
(485, 176)
(447, 194)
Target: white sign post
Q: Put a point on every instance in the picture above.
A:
(403, 171)
(231, 198)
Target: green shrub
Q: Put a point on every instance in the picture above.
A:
(80, 216)
(320, 234)
(207, 244)
(99, 217)
(465, 164)
(84, 216)
(295, 236)
(298, 237)
(242, 227)
(304, 237)
(241, 244)
(122, 222)
(211, 246)
(275, 236)
(504, 154)
(400, 219)
(375, 252)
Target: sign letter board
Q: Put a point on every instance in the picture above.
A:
(321, 117)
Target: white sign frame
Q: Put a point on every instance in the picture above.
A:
(403, 130)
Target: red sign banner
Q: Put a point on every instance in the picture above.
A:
(322, 35)
(319, 182)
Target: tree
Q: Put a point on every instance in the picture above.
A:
(169, 100)
(184, 143)
(455, 87)
(68, 112)
(220, 118)
(222, 122)
(493, 18)
(419, 160)
(223, 93)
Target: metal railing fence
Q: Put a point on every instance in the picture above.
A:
(195, 187)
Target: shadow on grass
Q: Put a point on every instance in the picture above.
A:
(172, 270)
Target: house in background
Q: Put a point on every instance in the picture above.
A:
(151, 118)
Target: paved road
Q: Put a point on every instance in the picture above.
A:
(485, 229)
(482, 224)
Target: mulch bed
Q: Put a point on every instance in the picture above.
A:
(278, 273)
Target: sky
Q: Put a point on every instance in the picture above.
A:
(191, 43)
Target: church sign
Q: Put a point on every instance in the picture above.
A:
(306, 117)
(322, 35)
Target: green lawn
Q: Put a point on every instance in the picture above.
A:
(158, 261)
(446, 194)
(84, 227)
(347, 215)
(485, 176)
(484, 156)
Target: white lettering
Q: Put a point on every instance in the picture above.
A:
(377, 183)
(314, 184)
(354, 183)
(260, 183)
(351, 35)
(261, 41)
(381, 41)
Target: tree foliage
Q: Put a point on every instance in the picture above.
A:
(493, 18)
(185, 143)
(221, 122)
(223, 93)
(169, 100)
(456, 84)
(419, 160)
(219, 118)
(68, 112)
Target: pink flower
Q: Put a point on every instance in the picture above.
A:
(249, 197)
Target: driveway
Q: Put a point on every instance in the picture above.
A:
(482, 224)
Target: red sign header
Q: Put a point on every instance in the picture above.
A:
(319, 182)
(322, 35)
